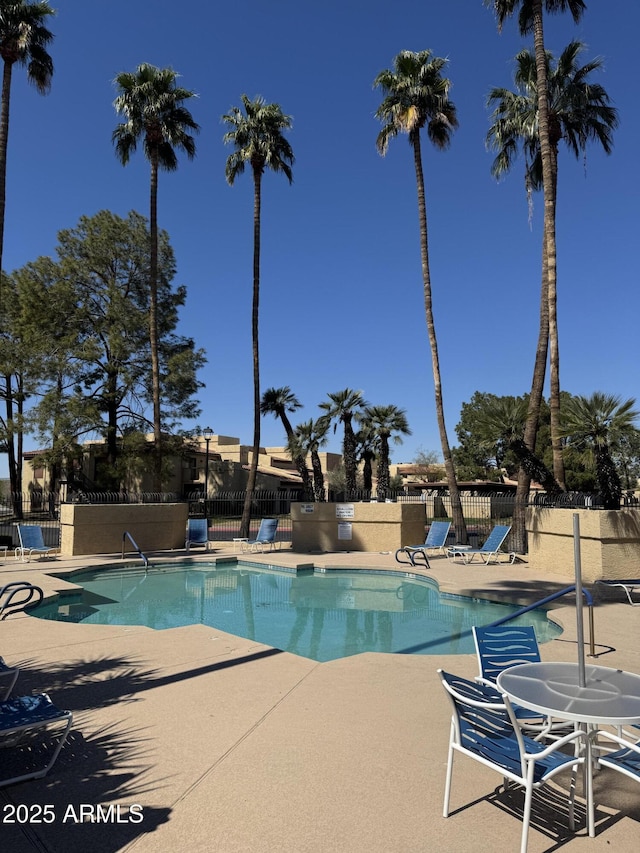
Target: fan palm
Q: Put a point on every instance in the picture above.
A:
(384, 421)
(530, 19)
(342, 407)
(258, 139)
(24, 39)
(594, 424)
(153, 109)
(277, 402)
(579, 112)
(308, 437)
(416, 95)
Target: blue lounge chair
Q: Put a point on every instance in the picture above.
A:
(29, 718)
(31, 542)
(488, 552)
(197, 533)
(484, 727)
(629, 587)
(266, 536)
(436, 540)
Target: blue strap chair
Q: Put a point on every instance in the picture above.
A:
(488, 552)
(436, 540)
(197, 533)
(26, 719)
(31, 542)
(625, 760)
(266, 536)
(484, 727)
(501, 646)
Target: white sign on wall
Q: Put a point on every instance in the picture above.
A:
(345, 530)
(345, 511)
(306, 508)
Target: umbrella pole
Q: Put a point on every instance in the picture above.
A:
(579, 601)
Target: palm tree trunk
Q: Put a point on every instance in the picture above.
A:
(383, 469)
(549, 231)
(454, 494)
(4, 136)
(298, 458)
(554, 358)
(253, 468)
(519, 536)
(318, 477)
(153, 325)
(349, 453)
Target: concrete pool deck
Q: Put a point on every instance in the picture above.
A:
(228, 745)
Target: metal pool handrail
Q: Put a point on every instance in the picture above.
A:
(588, 600)
(143, 557)
(13, 602)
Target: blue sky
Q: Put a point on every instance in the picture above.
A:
(341, 289)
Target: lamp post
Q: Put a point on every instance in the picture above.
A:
(207, 434)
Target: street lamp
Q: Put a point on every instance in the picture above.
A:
(207, 434)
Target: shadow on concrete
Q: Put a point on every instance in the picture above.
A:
(99, 777)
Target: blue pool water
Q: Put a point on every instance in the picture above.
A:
(318, 615)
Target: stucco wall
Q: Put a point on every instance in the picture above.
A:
(609, 542)
(98, 528)
(356, 526)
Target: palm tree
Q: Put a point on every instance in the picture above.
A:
(595, 424)
(530, 19)
(342, 407)
(416, 95)
(384, 421)
(258, 139)
(579, 111)
(153, 108)
(308, 438)
(24, 39)
(277, 402)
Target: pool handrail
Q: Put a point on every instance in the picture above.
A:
(14, 603)
(546, 600)
(143, 557)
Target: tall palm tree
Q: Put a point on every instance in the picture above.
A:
(594, 424)
(308, 438)
(384, 421)
(24, 39)
(153, 109)
(277, 402)
(416, 95)
(258, 139)
(530, 19)
(579, 111)
(342, 406)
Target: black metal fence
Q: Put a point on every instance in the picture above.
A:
(224, 509)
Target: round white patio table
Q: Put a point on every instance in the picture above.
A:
(609, 697)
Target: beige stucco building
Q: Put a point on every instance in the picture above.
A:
(222, 457)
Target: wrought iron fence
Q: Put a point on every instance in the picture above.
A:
(36, 507)
(224, 509)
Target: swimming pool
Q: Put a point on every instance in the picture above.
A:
(322, 615)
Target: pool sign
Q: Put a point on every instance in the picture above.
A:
(345, 530)
(345, 511)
